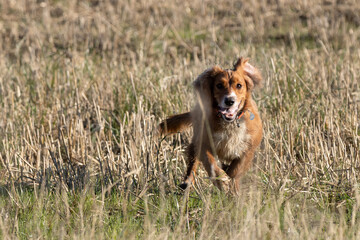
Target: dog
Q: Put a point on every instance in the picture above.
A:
(227, 128)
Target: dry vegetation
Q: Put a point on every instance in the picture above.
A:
(84, 83)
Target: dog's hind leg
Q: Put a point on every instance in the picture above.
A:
(238, 168)
(192, 164)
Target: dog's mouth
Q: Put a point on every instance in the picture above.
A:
(228, 114)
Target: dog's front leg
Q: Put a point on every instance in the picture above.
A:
(216, 174)
(192, 164)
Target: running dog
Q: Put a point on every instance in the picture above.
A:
(227, 128)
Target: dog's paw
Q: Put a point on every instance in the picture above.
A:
(222, 182)
(184, 186)
(226, 184)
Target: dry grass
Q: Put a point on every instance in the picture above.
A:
(84, 83)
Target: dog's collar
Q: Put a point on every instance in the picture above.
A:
(240, 114)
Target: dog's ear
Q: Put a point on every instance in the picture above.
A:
(204, 82)
(254, 76)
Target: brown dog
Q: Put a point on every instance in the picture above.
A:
(226, 124)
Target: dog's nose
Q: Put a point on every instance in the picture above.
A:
(229, 101)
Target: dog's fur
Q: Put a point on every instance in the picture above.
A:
(226, 124)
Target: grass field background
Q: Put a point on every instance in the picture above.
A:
(83, 85)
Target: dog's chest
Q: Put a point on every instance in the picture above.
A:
(231, 143)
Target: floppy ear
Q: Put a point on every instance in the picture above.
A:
(254, 76)
(204, 82)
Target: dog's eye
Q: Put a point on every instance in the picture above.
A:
(219, 86)
(238, 85)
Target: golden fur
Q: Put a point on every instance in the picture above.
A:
(226, 124)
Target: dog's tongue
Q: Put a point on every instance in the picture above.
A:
(227, 112)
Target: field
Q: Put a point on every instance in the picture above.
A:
(83, 85)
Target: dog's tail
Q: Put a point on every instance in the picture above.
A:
(175, 123)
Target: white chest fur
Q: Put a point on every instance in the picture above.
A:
(231, 143)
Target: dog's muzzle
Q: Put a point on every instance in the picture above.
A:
(227, 115)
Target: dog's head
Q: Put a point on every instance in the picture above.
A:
(227, 90)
